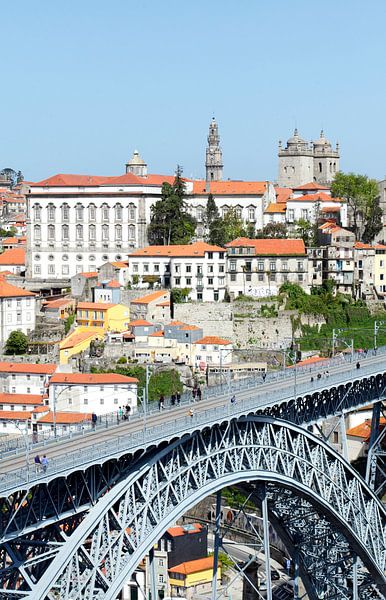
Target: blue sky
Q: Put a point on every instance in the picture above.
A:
(86, 82)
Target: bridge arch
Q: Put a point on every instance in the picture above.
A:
(299, 469)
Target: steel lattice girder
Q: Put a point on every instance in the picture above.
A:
(101, 553)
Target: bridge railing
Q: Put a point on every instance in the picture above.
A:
(184, 423)
(40, 441)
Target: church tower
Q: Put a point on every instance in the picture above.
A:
(296, 162)
(326, 160)
(213, 163)
(136, 165)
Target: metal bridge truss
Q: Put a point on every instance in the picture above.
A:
(318, 504)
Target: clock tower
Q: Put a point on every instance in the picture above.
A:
(213, 163)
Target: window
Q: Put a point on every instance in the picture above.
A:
(188, 281)
(300, 266)
(251, 214)
(131, 212)
(146, 268)
(65, 212)
(248, 277)
(210, 255)
(160, 578)
(85, 401)
(37, 232)
(118, 233)
(210, 280)
(79, 232)
(177, 268)
(291, 214)
(92, 233)
(300, 277)
(272, 266)
(92, 212)
(260, 266)
(37, 270)
(37, 212)
(131, 232)
(210, 269)
(238, 213)
(135, 268)
(320, 167)
(18, 317)
(221, 280)
(105, 212)
(177, 280)
(65, 270)
(51, 212)
(261, 277)
(51, 232)
(65, 232)
(105, 233)
(232, 265)
(200, 214)
(101, 401)
(118, 212)
(285, 266)
(79, 211)
(51, 269)
(221, 269)
(233, 276)
(305, 214)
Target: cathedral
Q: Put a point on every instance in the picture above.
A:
(301, 162)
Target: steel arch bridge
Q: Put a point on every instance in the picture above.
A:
(316, 501)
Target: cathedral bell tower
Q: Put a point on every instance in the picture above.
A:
(213, 163)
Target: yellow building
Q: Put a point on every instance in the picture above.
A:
(380, 269)
(110, 317)
(78, 341)
(192, 575)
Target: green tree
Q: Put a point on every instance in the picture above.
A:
(251, 231)
(68, 323)
(304, 229)
(179, 295)
(273, 230)
(226, 229)
(211, 211)
(17, 343)
(361, 195)
(170, 222)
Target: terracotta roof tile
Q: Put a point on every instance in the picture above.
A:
(89, 274)
(63, 180)
(21, 399)
(8, 290)
(65, 417)
(58, 303)
(177, 531)
(271, 247)
(363, 430)
(120, 264)
(14, 415)
(139, 323)
(91, 378)
(312, 186)
(166, 303)
(322, 197)
(213, 340)
(282, 194)
(29, 368)
(193, 566)
(183, 250)
(113, 284)
(13, 256)
(230, 188)
(157, 334)
(149, 298)
(95, 305)
(276, 208)
(76, 337)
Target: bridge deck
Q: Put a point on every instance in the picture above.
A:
(79, 452)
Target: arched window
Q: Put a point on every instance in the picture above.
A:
(105, 212)
(51, 232)
(51, 212)
(320, 167)
(65, 212)
(65, 232)
(131, 212)
(37, 212)
(118, 212)
(131, 232)
(105, 233)
(37, 232)
(92, 212)
(92, 233)
(79, 209)
(118, 233)
(79, 232)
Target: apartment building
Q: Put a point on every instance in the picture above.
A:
(25, 378)
(259, 267)
(17, 310)
(200, 267)
(338, 256)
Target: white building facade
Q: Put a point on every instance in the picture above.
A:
(17, 310)
(25, 378)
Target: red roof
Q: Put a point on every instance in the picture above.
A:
(363, 430)
(8, 290)
(91, 378)
(278, 207)
(14, 415)
(113, 284)
(321, 197)
(282, 194)
(75, 338)
(194, 566)
(14, 240)
(184, 250)
(95, 305)
(29, 368)
(177, 531)
(65, 417)
(154, 179)
(63, 180)
(312, 186)
(139, 323)
(58, 303)
(21, 399)
(157, 334)
(13, 256)
(149, 298)
(89, 274)
(271, 247)
(230, 188)
(214, 340)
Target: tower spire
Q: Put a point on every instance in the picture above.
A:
(213, 163)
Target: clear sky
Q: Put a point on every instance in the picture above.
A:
(85, 82)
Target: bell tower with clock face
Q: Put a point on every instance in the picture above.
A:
(213, 163)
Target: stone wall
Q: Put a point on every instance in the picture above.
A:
(215, 318)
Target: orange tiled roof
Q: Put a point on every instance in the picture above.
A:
(14, 415)
(120, 264)
(91, 378)
(21, 399)
(193, 566)
(177, 531)
(63, 180)
(189, 328)
(157, 334)
(308, 361)
(149, 298)
(58, 303)
(312, 186)
(154, 179)
(65, 417)
(230, 188)
(362, 246)
(329, 209)
(14, 240)
(276, 208)
(321, 197)
(363, 430)
(126, 178)
(166, 303)
(139, 323)
(13, 256)
(213, 339)
(8, 290)
(95, 305)
(282, 194)
(176, 323)
(89, 274)
(29, 368)
(183, 250)
(271, 247)
(77, 337)
(113, 284)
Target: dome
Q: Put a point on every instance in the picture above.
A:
(136, 159)
(322, 141)
(295, 139)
